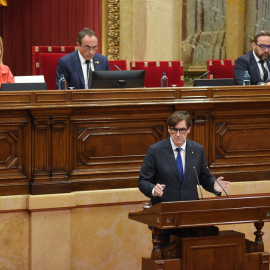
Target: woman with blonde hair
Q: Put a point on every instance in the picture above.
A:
(5, 73)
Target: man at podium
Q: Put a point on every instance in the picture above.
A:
(173, 168)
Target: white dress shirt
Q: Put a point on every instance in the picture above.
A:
(182, 153)
(175, 151)
(84, 69)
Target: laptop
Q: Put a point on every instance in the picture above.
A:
(213, 82)
(23, 86)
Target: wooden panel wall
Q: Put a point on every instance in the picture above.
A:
(62, 141)
(27, 23)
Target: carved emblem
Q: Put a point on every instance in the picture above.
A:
(113, 33)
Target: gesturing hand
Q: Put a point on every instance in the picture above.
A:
(158, 190)
(224, 184)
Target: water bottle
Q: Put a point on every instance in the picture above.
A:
(164, 80)
(246, 80)
(62, 83)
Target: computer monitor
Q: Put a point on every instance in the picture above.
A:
(29, 79)
(118, 79)
(214, 82)
(23, 86)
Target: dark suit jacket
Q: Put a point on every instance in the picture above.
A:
(70, 66)
(247, 62)
(159, 166)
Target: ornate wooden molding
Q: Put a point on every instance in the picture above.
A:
(113, 31)
(3, 3)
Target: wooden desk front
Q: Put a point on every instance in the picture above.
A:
(63, 141)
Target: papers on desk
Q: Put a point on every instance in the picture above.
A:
(29, 79)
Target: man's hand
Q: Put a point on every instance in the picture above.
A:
(158, 190)
(224, 184)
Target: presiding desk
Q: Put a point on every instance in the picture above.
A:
(62, 141)
(205, 247)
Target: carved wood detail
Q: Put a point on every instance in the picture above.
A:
(113, 29)
(88, 140)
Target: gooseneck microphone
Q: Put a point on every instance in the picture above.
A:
(117, 67)
(198, 180)
(217, 181)
(207, 72)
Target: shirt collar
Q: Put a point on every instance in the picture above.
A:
(256, 57)
(174, 146)
(82, 60)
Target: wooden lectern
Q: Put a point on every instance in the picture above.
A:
(208, 248)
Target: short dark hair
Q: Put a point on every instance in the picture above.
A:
(260, 34)
(178, 116)
(85, 32)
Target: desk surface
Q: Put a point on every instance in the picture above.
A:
(219, 211)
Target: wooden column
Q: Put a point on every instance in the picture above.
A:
(50, 146)
(235, 28)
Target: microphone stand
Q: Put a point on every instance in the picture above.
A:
(198, 180)
(217, 182)
(207, 72)
(117, 67)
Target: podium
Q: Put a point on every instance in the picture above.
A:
(208, 248)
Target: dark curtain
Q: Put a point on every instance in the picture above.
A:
(27, 23)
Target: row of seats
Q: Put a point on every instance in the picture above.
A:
(45, 59)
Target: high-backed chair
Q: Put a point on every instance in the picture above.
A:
(122, 64)
(45, 60)
(154, 70)
(220, 69)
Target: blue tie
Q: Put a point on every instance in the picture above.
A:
(180, 164)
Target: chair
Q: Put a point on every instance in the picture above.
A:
(154, 70)
(220, 69)
(45, 60)
(122, 64)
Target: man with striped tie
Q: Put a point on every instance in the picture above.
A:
(256, 62)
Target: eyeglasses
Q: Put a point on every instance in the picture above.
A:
(263, 47)
(181, 130)
(88, 48)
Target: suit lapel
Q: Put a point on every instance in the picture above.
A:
(96, 62)
(255, 66)
(78, 67)
(268, 64)
(189, 162)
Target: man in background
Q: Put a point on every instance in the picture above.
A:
(77, 66)
(256, 62)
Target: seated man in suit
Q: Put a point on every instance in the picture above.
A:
(77, 66)
(173, 167)
(256, 62)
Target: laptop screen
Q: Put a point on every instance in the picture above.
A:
(23, 86)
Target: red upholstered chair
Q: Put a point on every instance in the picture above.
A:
(220, 69)
(122, 64)
(45, 60)
(154, 70)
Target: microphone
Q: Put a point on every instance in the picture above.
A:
(207, 72)
(198, 180)
(117, 67)
(217, 181)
